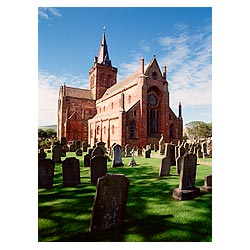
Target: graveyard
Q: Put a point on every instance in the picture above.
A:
(151, 213)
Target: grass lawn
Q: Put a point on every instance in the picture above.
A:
(64, 213)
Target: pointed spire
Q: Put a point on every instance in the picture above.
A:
(103, 55)
(180, 109)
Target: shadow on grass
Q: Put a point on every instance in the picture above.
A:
(151, 213)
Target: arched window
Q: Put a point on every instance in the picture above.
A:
(152, 114)
(98, 130)
(132, 129)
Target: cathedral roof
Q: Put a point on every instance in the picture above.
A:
(78, 93)
(124, 83)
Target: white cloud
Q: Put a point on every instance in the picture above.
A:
(189, 61)
(48, 13)
(48, 90)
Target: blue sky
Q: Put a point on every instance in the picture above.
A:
(181, 38)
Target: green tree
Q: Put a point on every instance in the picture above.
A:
(199, 129)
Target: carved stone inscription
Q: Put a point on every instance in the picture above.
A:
(110, 202)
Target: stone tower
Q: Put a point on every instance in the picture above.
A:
(102, 75)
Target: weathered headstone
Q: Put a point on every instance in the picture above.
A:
(128, 149)
(72, 148)
(139, 152)
(110, 202)
(71, 172)
(162, 145)
(187, 189)
(178, 165)
(78, 152)
(117, 156)
(170, 152)
(132, 162)
(45, 173)
(147, 153)
(86, 160)
(165, 166)
(207, 184)
(41, 154)
(56, 153)
(98, 168)
(97, 151)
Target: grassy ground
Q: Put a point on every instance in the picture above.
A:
(64, 213)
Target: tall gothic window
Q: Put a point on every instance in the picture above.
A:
(132, 129)
(152, 114)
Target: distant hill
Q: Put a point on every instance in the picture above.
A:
(54, 127)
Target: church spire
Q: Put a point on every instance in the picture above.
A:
(103, 55)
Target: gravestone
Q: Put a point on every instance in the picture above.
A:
(78, 144)
(187, 189)
(204, 149)
(147, 153)
(110, 202)
(139, 152)
(128, 149)
(84, 147)
(162, 145)
(45, 173)
(165, 166)
(199, 153)
(186, 146)
(90, 150)
(41, 154)
(72, 148)
(56, 153)
(97, 151)
(117, 156)
(178, 165)
(101, 144)
(63, 141)
(71, 172)
(98, 168)
(207, 184)
(86, 160)
(78, 152)
(182, 151)
(132, 162)
(170, 152)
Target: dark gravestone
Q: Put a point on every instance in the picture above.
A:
(84, 147)
(97, 151)
(71, 172)
(56, 153)
(128, 149)
(45, 173)
(72, 148)
(165, 166)
(86, 160)
(117, 156)
(78, 144)
(90, 150)
(170, 153)
(110, 202)
(98, 168)
(66, 148)
(147, 153)
(78, 152)
(187, 189)
(41, 154)
(139, 152)
(207, 184)
(178, 165)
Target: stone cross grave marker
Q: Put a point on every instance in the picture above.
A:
(132, 162)
(165, 166)
(71, 172)
(98, 168)
(45, 173)
(110, 202)
(117, 156)
(187, 189)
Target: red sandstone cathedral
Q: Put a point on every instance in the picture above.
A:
(133, 111)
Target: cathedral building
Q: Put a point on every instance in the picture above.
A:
(132, 111)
